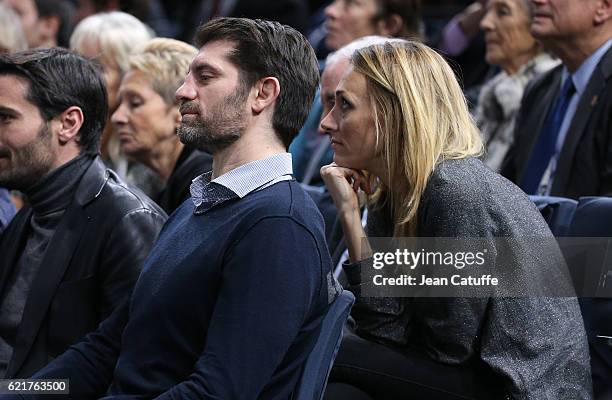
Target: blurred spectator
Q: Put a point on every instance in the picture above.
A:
(7, 209)
(511, 47)
(148, 114)
(46, 23)
(563, 142)
(138, 8)
(347, 21)
(110, 39)
(188, 14)
(73, 254)
(462, 42)
(12, 38)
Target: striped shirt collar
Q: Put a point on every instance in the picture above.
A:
(240, 181)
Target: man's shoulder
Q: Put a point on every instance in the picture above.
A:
(543, 83)
(113, 197)
(285, 199)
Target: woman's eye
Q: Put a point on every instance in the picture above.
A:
(503, 11)
(135, 103)
(344, 105)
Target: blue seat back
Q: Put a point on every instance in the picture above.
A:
(311, 385)
(557, 212)
(593, 218)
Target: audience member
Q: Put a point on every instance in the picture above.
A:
(336, 65)
(46, 23)
(350, 20)
(462, 42)
(563, 131)
(12, 38)
(73, 254)
(347, 21)
(147, 117)
(189, 14)
(511, 47)
(400, 121)
(240, 314)
(110, 39)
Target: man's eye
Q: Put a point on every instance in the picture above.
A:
(4, 118)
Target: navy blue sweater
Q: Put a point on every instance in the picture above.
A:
(227, 306)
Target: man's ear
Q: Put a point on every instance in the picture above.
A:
(69, 124)
(48, 27)
(266, 91)
(390, 26)
(604, 11)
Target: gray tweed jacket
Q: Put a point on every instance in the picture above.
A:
(537, 345)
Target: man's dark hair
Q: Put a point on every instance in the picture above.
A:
(58, 79)
(266, 48)
(411, 12)
(64, 11)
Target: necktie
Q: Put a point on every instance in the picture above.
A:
(545, 146)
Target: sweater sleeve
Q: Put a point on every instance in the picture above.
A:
(266, 294)
(89, 364)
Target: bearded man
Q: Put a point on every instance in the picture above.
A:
(230, 301)
(73, 254)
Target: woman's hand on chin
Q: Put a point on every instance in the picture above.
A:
(343, 185)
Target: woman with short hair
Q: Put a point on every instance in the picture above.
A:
(147, 117)
(110, 38)
(12, 37)
(401, 131)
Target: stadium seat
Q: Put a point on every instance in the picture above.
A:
(311, 385)
(593, 219)
(557, 211)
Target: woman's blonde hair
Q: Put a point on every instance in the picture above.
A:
(166, 63)
(12, 37)
(421, 118)
(118, 34)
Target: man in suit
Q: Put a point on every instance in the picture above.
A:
(563, 144)
(74, 252)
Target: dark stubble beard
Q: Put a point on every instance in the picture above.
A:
(222, 126)
(29, 163)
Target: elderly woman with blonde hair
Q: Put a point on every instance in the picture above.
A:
(12, 37)
(147, 116)
(401, 132)
(111, 38)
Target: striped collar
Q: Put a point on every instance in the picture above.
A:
(240, 181)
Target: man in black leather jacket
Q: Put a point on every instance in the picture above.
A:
(74, 252)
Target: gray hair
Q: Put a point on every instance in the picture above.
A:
(12, 37)
(346, 51)
(118, 34)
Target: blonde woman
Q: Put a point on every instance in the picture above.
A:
(147, 116)
(401, 131)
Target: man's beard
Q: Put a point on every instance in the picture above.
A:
(222, 126)
(29, 163)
